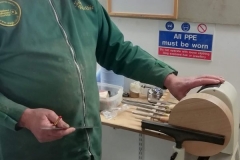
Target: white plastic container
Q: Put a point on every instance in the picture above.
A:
(115, 98)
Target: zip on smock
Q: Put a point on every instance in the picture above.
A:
(77, 66)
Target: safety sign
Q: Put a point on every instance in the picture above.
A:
(202, 28)
(169, 25)
(187, 40)
(186, 26)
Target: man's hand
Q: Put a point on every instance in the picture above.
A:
(35, 119)
(179, 87)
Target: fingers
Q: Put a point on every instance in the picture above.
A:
(61, 133)
(41, 118)
(62, 124)
(221, 79)
(202, 81)
(52, 135)
(182, 86)
(181, 95)
(53, 117)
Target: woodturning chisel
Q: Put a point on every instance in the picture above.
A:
(153, 110)
(149, 106)
(163, 118)
(160, 102)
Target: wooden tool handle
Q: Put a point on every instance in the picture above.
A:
(164, 119)
(171, 106)
(133, 94)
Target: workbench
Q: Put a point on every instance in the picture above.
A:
(126, 121)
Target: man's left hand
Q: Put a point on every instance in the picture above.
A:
(179, 86)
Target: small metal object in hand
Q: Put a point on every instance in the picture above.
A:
(56, 122)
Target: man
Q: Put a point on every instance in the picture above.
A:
(48, 55)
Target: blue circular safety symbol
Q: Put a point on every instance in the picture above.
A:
(185, 26)
(169, 25)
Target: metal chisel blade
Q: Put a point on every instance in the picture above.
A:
(159, 108)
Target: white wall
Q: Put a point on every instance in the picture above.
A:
(123, 145)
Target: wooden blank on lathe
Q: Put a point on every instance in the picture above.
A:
(203, 112)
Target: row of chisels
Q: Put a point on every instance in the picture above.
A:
(152, 111)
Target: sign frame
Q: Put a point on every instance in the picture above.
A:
(173, 16)
(186, 40)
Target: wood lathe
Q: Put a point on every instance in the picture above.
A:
(203, 124)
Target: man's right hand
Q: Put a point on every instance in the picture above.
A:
(35, 119)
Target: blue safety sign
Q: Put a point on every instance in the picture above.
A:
(186, 27)
(193, 41)
(186, 40)
(169, 26)
(188, 45)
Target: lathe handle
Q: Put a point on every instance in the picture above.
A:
(209, 86)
